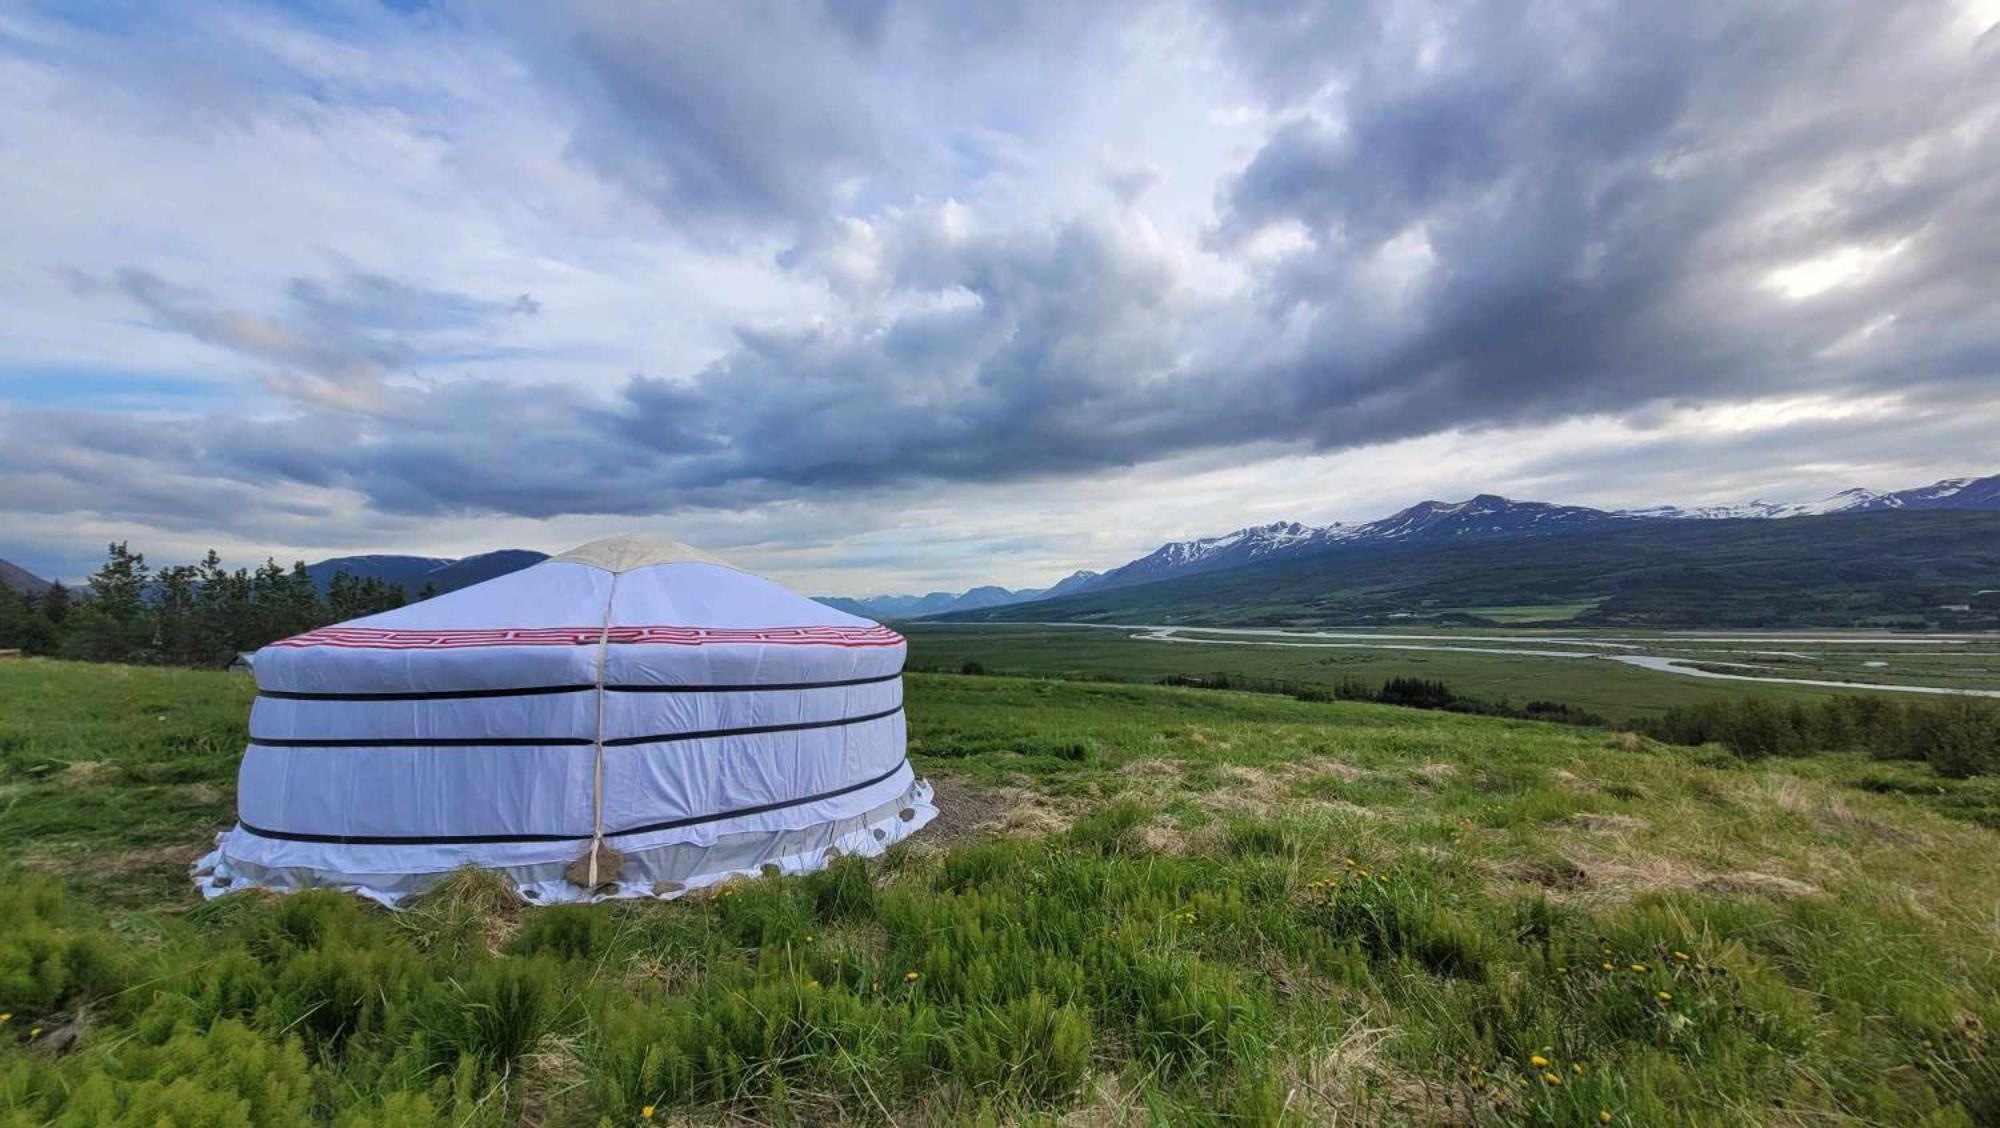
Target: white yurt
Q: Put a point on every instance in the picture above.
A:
(632, 718)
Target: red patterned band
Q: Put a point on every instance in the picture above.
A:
(377, 638)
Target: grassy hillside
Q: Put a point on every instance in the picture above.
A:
(1144, 905)
(1841, 570)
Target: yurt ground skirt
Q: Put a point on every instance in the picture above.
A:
(662, 865)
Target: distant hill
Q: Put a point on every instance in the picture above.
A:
(16, 578)
(1874, 566)
(413, 573)
(934, 603)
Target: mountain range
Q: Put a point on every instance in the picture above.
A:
(1908, 568)
(1483, 517)
(1477, 518)
(414, 573)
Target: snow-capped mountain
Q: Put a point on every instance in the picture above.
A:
(1755, 508)
(1484, 515)
(1207, 554)
(1951, 493)
(1427, 522)
(1490, 515)
(1481, 516)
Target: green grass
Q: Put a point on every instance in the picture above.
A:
(1531, 612)
(1609, 689)
(1180, 906)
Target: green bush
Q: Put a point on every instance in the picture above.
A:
(1957, 736)
(1959, 739)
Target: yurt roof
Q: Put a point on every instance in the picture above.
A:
(626, 551)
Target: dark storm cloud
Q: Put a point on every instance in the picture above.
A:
(1496, 215)
(736, 118)
(1597, 201)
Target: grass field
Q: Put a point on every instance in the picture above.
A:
(1513, 673)
(1143, 905)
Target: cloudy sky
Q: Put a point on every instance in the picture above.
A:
(878, 297)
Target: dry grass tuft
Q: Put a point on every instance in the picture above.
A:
(466, 900)
(82, 772)
(1759, 884)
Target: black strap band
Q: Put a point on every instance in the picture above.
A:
(564, 741)
(494, 839)
(542, 690)
(753, 730)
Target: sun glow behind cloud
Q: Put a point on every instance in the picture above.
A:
(1842, 267)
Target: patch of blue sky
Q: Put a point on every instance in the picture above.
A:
(58, 386)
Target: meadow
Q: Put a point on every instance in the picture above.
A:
(1142, 905)
(1511, 671)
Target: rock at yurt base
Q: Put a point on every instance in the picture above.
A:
(629, 719)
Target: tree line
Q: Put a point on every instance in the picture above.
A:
(1957, 736)
(199, 614)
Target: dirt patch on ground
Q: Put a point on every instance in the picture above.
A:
(1549, 873)
(1608, 823)
(968, 812)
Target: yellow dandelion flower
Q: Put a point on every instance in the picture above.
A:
(1552, 1079)
(34, 1034)
(6, 1017)
(1576, 1068)
(909, 977)
(1664, 996)
(1362, 872)
(1538, 1061)
(1639, 967)
(1348, 862)
(1561, 969)
(1681, 956)
(1604, 1116)
(1606, 965)
(646, 1113)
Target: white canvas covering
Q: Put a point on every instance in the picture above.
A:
(699, 721)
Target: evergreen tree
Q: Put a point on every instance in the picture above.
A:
(55, 603)
(177, 628)
(23, 626)
(118, 589)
